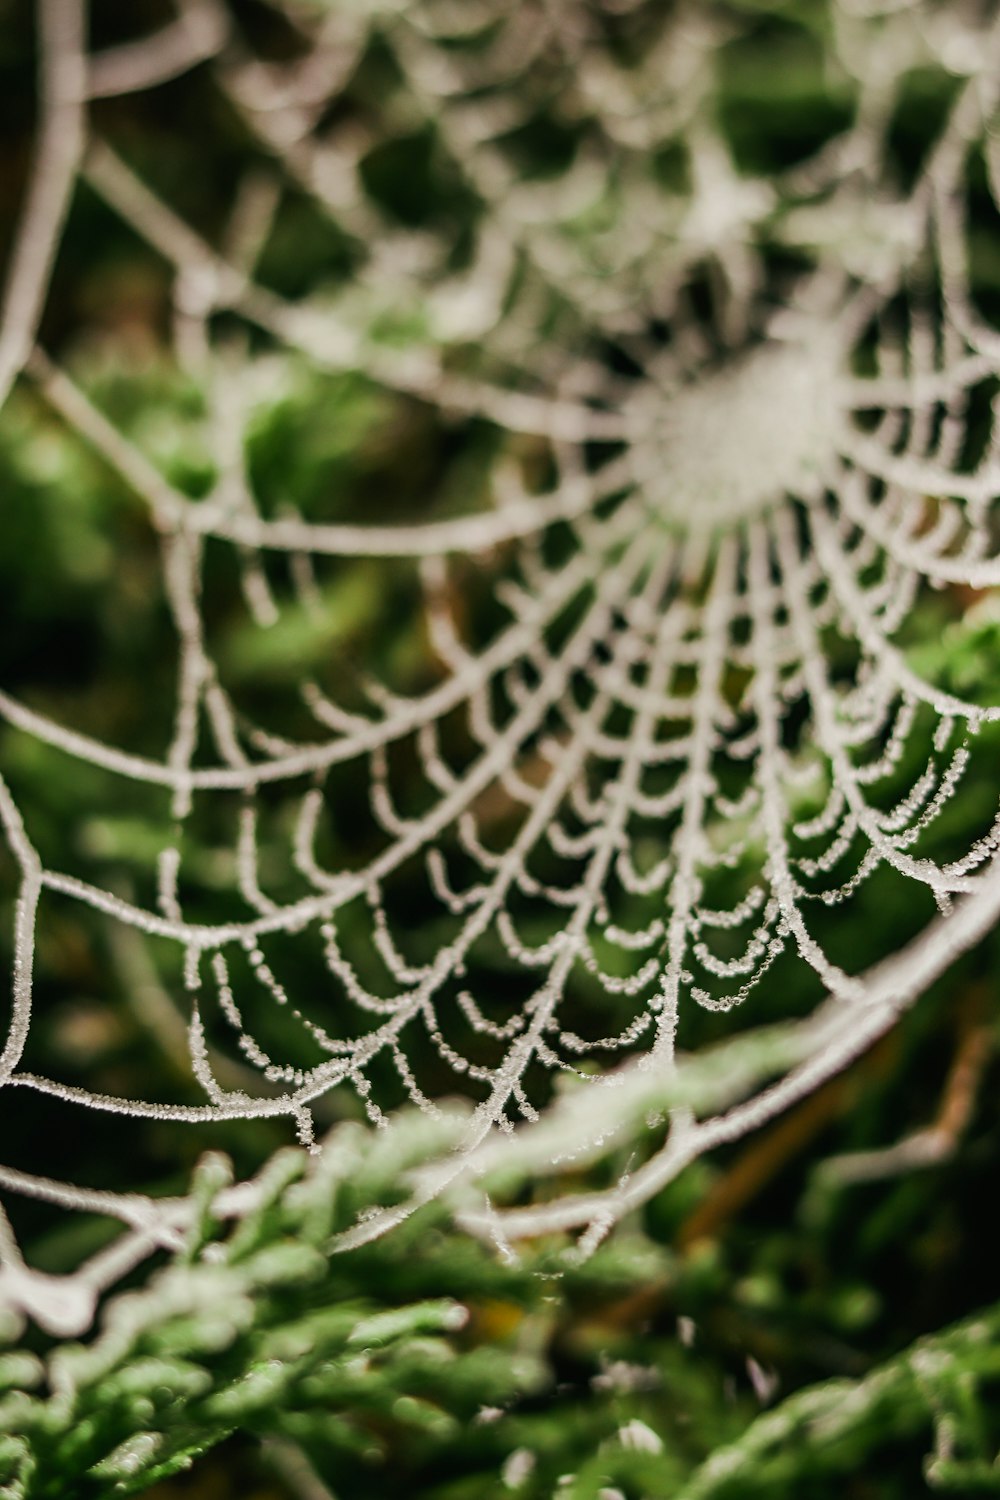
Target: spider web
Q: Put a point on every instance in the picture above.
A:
(638, 707)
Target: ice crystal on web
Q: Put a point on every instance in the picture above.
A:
(538, 441)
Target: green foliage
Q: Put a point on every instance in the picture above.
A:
(536, 1376)
(251, 1328)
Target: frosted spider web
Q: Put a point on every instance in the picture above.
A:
(638, 712)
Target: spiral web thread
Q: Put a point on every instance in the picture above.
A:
(737, 427)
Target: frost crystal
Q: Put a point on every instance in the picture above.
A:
(637, 700)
